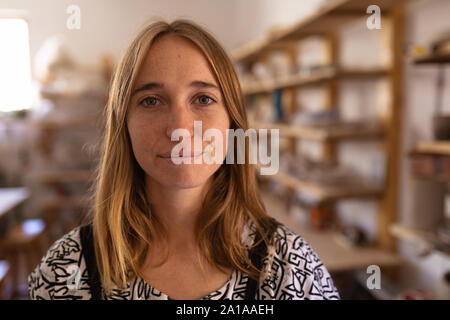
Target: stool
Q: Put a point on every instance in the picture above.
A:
(24, 238)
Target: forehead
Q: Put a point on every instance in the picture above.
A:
(175, 58)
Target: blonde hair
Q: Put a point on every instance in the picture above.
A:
(123, 224)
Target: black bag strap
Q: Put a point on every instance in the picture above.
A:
(88, 251)
(256, 255)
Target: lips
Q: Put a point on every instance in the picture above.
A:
(169, 155)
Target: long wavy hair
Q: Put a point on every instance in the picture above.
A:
(123, 223)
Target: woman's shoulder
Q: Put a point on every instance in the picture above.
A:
(289, 245)
(63, 252)
(284, 241)
(293, 270)
(61, 273)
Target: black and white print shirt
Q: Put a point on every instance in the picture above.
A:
(292, 271)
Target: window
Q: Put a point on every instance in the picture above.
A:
(15, 69)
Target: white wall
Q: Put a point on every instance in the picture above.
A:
(108, 25)
(254, 17)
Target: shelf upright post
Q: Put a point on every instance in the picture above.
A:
(291, 95)
(331, 57)
(393, 31)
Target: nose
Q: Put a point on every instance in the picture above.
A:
(180, 117)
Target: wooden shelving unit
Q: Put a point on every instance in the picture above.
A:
(334, 252)
(332, 17)
(433, 147)
(426, 240)
(435, 152)
(66, 124)
(315, 77)
(51, 95)
(55, 176)
(327, 193)
(64, 147)
(64, 202)
(329, 132)
(433, 59)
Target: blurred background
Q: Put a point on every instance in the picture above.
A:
(360, 91)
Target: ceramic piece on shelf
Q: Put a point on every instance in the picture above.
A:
(441, 127)
(279, 64)
(427, 204)
(321, 217)
(355, 236)
(311, 118)
(265, 113)
(261, 71)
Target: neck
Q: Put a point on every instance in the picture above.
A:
(178, 209)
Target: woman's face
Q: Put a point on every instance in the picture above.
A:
(174, 88)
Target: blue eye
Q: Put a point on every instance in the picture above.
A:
(149, 101)
(205, 100)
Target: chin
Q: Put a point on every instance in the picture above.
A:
(185, 182)
(183, 179)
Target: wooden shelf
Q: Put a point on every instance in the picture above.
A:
(333, 15)
(425, 240)
(433, 59)
(64, 202)
(433, 147)
(318, 76)
(66, 124)
(315, 77)
(335, 255)
(52, 95)
(332, 132)
(324, 193)
(81, 175)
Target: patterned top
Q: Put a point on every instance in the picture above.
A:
(292, 271)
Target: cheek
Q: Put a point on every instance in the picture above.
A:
(142, 139)
(222, 124)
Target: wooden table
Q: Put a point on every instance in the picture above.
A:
(9, 199)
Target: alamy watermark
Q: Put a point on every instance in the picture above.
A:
(74, 20)
(74, 280)
(374, 280)
(374, 21)
(213, 153)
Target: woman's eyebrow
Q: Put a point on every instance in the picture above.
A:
(148, 86)
(157, 85)
(203, 84)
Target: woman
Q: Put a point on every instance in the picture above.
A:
(162, 230)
